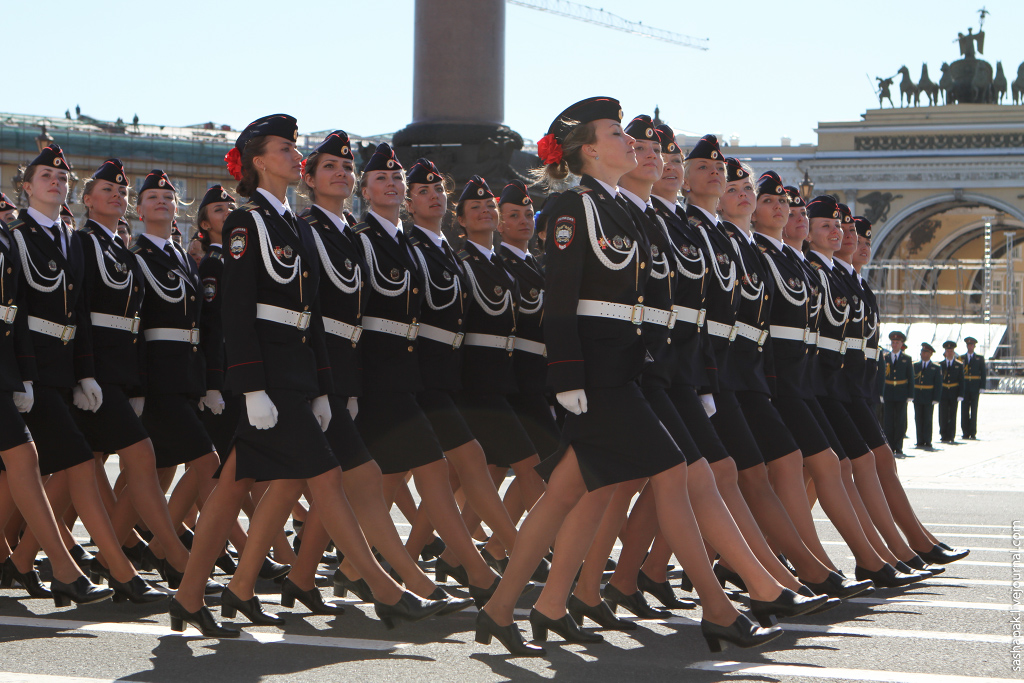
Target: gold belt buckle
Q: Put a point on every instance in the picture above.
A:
(637, 316)
(67, 334)
(702, 314)
(672, 315)
(193, 336)
(136, 322)
(303, 322)
(733, 332)
(510, 343)
(842, 347)
(356, 334)
(9, 314)
(413, 331)
(459, 336)
(762, 338)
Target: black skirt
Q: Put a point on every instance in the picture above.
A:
(342, 436)
(773, 437)
(114, 426)
(535, 414)
(396, 431)
(58, 440)
(802, 424)
(732, 428)
(688, 404)
(618, 439)
(867, 424)
(854, 445)
(174, 426)
(221, 428)
(666, 411)
(497, 428)
(13, 432)
(826, 426)
(449, 426)
(294, 448)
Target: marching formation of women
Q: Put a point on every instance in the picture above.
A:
(672, 353)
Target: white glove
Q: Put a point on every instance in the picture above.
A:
(138, 403)
(959, 398)
(981, 391)
(23, 400)
(935, 403)
(909, 400)
(261, 410)
(353, 406)
(709, 404)
(322, 410)
(213, 400)
(92, 393)
(574, 401)
(881, 399)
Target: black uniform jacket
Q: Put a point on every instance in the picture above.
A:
(173, 300)
(45, 267)
(586, 262)
(872, 335)
(693, 361)
(855, 363)
(791, 307)
(927, 381)
(832, 321)
(723, 298)
(394, 292)
(269, 262)
(211, 321)
(445, 305)
(342, 297)
(751, 366)
(493, 309)
(531, 368)
(114, 285)
(17, 358)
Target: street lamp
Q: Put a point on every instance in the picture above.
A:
(44, 139)
(806, 187)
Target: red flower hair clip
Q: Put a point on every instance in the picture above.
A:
(549, 150)
(302, 168)
(234, 161)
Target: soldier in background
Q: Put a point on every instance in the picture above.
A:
(928, 384)
(952, 391)
(974, 384)
(897, 391)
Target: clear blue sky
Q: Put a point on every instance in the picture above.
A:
(773, 69)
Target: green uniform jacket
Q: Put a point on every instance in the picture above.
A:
(974, 374)
(899, 378)
(927, 381)
(953, 378)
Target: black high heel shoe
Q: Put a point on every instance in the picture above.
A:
(741, 633)
(96, 572)
(482, 595)
(29, 580)
(186, 537)
(172, 577)
(907, 569)
(135, 554)
(494, 563)
(509, 636)
(887, 577)
(788, 604)
(81, 556)
(231, 604)
(836, 586)
(920, 565)
(409, 607)
(432, 550)
(828, 604)
(942, 554)
(312, 599)
(787, 564)
(601, 614)
(202, 620)
(226, 564)
(81, 591)
(726, 575)
(685, 584)
(343, 584)
(149, 562)
(662, 592)
(540, 574)
(273, 571)
(443, 570)
(453, 605)
(137, 591)
(565, 627)
(635, 603)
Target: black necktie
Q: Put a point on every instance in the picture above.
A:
(169, 250)
(287, 216)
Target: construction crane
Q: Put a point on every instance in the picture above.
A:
(600, 17)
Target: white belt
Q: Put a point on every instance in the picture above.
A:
(407, 330)
(832, 345)
(812, 338)
(790, 333)
(754, 334)
(716, 329)
(284, 316)
(63, 332)
(116, 322)
(7, 313)
(690, 315)
(491, 341)
(607, 309)
(453, 339)
(877, 353)
(531, 347)
(172, 334)
(856, 343)
(343, 330)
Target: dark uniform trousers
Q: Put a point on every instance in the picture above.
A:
(952, 393)
(897, 391)
(928, 383)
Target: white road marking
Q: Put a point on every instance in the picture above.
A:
(954, 526)
(998, 607)
(966, 563)
(969, 547)
(11, 677)
(749, 669)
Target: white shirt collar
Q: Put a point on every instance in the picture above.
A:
(102, 227)
(846, 266)
(41, 219)
(633, 197)
(388, 226)
(338, 221)
(216, 244)
(160, 242)
(778, 244)
(274, 202)
(438, 240)
(487, 253)
(611, 190)
(515, 250)
(827, 261)
(712, 217)
(671, 206)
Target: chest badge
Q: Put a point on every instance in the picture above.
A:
(617, 242)
(53, 266)
(534, 293)
(394, 273)
(655, 252)
(498, 290)
(348, 264)
(447, 276)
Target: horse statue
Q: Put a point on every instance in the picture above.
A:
(999, 84)
(908, 89)
(1018, 85)
(967, 81)
(925, 85)
(946, 84)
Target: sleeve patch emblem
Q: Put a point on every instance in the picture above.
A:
(565, 227)
(237, 241)
(209, 288)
